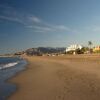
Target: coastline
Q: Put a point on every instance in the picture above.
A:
(14, 83)
(16, 74)
(8, 73)
(58, 78)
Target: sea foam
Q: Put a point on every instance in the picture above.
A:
(8, 65)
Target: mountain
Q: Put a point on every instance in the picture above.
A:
(44, 50)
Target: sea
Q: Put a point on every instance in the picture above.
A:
(9, 66)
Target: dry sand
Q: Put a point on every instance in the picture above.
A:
(59, 78)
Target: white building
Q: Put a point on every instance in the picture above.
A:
(73, 47)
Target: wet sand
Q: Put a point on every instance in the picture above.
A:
(59, 78)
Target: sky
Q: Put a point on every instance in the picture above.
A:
(48, 23)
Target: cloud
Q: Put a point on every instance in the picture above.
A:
(39, 31)
(51, 28)
(13, 19)
(10, 14)
(31, 21)
(34, 19)
(42, 28)
(62, 27)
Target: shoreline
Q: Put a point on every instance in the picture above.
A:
(45, 77)
(14, 83)
(15, 75)
(10, 80)
(17, 69)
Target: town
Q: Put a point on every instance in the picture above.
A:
(71, 49)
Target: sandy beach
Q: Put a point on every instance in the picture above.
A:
(59, 78)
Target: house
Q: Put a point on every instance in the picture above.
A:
(96, 49)
(73, 47)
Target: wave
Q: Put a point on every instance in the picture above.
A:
(9, 65)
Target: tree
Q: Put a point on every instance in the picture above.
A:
(84, 49)
(78, 51)
(90, 44)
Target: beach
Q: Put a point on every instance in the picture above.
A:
(72, 77)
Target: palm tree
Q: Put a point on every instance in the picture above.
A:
(90, 44)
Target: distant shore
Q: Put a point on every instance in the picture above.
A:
(74, 77)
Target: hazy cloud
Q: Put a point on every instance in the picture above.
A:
(31, 21)
(62, 27)
(13, 19)
(52, 28)
(34, 19)
(42, 28)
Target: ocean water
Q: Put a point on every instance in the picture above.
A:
(9, 66)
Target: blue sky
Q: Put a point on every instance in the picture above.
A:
(48, 23)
